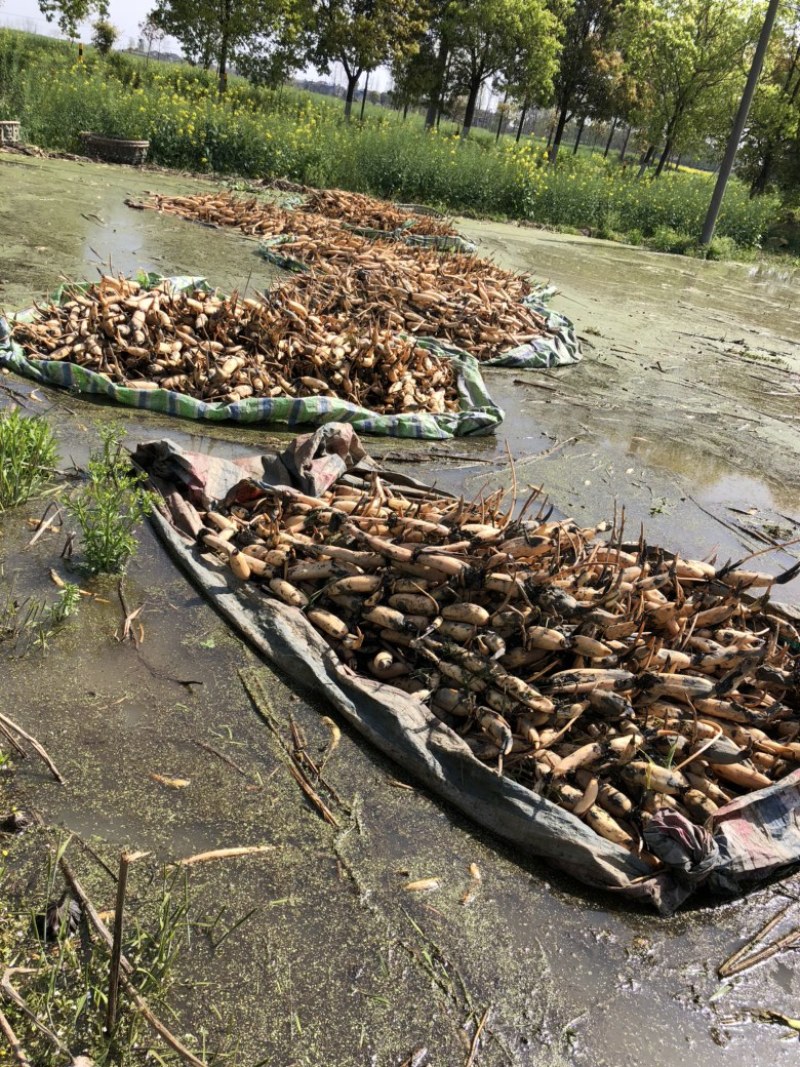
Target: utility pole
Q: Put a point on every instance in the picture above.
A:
(738, 125)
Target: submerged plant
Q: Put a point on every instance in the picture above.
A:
(111, 506)
(28, 454)
(32, 620)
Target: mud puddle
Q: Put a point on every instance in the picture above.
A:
(338, 964)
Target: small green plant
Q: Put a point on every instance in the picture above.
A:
(28, 454)
(32, 620)
(111, 506)
(67, 604)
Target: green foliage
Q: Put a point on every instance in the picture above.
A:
(256, 132)
(588, 73)
(666, 239)
(721, 248)
(770, 155)
(111, 506)
(362, 34)
(492, 36)
(104, 35)
(262, 33)
(688, 60)
(67, 604)
(70, 13)
(28, 454)
(66, 984)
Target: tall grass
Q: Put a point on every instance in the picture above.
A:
(28, 454)
(256, 132)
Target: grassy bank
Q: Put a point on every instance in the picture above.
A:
(259, 133)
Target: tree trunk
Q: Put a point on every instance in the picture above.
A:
(522, 118)
(224, 46)
(761, 180)
(579, 135)
(469, 114)
(352, 82)
(644, 162)
(405, 111)
(664, 157)
(559, 133)
(610, 139)
(624, 148)
(501, 113)
(435, 102)
(364, 97)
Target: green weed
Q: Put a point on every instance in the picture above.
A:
(28, 454)
(110, 507)
(31, 620)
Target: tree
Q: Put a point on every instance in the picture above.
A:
(361, 35)
(269, 57)
(691, 56)
(443, 18)
(772, 142)
(582, 76)
(219, 31)
(520, 81)
(104, 34)
(413, 74)
(69, 13)
(491, 35)
(150, 35)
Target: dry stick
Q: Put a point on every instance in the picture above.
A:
(45, 524)
(789, 940)
(129, 616)
(125, 860)
(9, 991)
(254, 690)
(126, 969)
(313, 795)
(223, 854)
(473, 1052)
(5, 721)
(722, 970)
(13, 1042)
(13, 742)
(223, 757)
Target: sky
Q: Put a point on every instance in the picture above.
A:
(25, 15)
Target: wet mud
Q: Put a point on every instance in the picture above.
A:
(337, 964)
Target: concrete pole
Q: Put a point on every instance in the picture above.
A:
(738, 126)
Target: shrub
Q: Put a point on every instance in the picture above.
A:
(104, 34)
(111, 506)
(721, 248)
(28, 454)
(665, 239)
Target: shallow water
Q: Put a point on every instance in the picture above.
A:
(338, 965)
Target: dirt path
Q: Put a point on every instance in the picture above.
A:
(338, 965)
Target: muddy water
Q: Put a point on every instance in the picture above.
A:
(338, 965)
